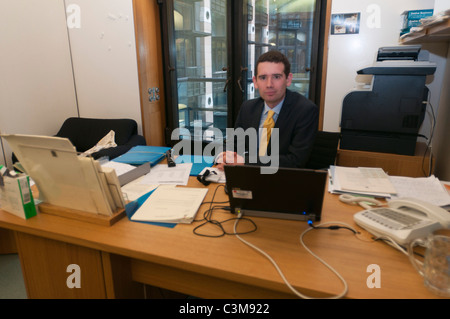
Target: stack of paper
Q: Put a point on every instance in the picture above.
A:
(370, 181)
(164, 203)
(428, 189)
(169, 204)
(163, 174)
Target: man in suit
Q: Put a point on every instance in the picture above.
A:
(296, 118)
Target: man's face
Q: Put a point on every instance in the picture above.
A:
(272, 82)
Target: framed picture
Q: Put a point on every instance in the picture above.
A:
(345, 23)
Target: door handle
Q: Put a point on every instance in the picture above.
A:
(239, 81)
(228, 79)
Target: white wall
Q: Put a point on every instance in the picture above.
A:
(104, 59)
(441, 6)
(36, 82)
(38, 89)
(350, 53)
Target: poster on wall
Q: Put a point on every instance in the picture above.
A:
(345, 23)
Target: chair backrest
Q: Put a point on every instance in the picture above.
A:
(324, 151)
(84, 133)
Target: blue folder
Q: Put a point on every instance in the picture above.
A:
(141, 154)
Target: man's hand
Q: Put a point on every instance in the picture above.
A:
(228, 157)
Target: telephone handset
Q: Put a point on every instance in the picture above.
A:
(404, 220)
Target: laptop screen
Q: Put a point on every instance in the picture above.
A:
(290, 193)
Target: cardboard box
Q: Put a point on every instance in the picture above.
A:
(16, 196)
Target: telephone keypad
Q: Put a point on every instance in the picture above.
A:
(391, 219)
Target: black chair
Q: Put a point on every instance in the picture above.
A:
(324, 151)
(84, 133)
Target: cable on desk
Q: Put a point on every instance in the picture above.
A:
(364, 202)
(342, 294)
(391, 242)
(207, 219)
(333, 227)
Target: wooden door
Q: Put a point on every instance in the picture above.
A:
(149, 56)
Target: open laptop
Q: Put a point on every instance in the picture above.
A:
(290, 193)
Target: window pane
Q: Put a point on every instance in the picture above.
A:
(284, 25)
(201, 55)
(207, 55)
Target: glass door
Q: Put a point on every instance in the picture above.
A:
(211, 48)
(286, 26)
(201, 67)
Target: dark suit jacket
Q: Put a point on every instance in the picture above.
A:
(297, 123)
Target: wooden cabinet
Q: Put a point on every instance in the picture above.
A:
(46, 266)
(7, 242)
(393, 164)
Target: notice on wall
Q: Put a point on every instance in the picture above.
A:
(345, 23)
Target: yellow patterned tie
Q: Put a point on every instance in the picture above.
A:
(268, 125)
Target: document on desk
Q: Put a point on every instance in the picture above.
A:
(428, 189)
(136, 189)
(171, 205)
(163, 174)
(362, 180)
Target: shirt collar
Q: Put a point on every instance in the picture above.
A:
(276, 109)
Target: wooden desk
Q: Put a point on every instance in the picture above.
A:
(115, 260)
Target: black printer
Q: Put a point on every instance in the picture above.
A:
(387, 117)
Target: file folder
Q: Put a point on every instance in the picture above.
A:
(141, 154)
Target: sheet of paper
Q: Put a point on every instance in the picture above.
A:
(121, 168)
(199, 163)
(171, 204)
(136, 189)
(365, 179)
(428, 189)
(162, 174)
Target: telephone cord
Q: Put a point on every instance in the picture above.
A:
(342, 294)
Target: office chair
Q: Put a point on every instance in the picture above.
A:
(324, 150)
(84, 133)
